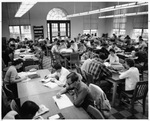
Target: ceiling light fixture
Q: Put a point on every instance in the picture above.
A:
(112, 8)
(24, 7)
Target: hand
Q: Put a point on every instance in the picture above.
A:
(58, 95)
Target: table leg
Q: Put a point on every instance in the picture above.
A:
(114, 93)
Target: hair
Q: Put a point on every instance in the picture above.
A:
(82, 41)
(112, 50)
(130, 62)
(73, 76)
(17, 62)
(72, 41)
(68, 45)
(28, 109)
(57, 66)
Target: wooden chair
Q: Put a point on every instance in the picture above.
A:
(74, 59)
(140, 92)
(94, 113)
(14, 106)
(100, 100)
(8, 92)
(27, 68)
(58, 58)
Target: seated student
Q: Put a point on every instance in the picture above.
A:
(62, 44)
(27, 111)
(11, 76)
(67, 50)
(104, 52)
(115, 47)
(129, 48)
(113, 58)
(131, 77)
(61, 73)
(82, 47)
(74, 46)
(82, 96)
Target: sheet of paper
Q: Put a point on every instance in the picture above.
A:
(43, 109)
(63, 101)
(31, 73)
(107, 64)
(50, 84)
(26, 80)
(22, 74)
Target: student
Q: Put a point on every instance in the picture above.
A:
(11, 76)
(61, 73)
(82, 96)
(67, 50)
(131, 77)
(74, 46)
(113, 58)
(27, 111)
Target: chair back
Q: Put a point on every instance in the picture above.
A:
(58, 58)
(141, 90)
(78, 69)
(8, 92)
(74, 58)
(27, 68)
(94, 112)
(14, 106)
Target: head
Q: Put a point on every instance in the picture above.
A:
(68, 45)
(129, 62)
(112, 52)
(28, 110)
(57, 67)
(73, 80)
(18, 63)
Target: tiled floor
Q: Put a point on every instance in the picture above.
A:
(117, 112)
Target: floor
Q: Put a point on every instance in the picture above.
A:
(118, 112)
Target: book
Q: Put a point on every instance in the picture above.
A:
(42, 109)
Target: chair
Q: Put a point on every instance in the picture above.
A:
(27, 68)
(78, 69)
(58, 58)
(139, 93)
(100, 100)
(14, 106)
(8, 92)
(74, 59)
(94, 112)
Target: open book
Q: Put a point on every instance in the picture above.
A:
(42, 109)
(63, 101)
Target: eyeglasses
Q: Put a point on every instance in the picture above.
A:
(70, 83)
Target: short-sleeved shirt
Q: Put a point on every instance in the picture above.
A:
(11, 74)
(113, 59)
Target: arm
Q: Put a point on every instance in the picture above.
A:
(79, 100)
(124, 74)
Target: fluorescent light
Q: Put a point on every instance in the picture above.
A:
(112, 8)
(122, 15)
(142, 13)
(130, 14)
(24, 7)
(84, 13)
(94, 11)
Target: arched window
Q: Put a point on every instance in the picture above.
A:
(56, 14)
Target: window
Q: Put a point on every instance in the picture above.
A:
(92, 31)
(21, 31)
(56, 14)
(140, 32)
(119, 23)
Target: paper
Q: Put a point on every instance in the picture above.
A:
(26, 80)
(50, 84)
(31, 73)
(107, 64)
(22, 74)
(63, 101)
(43, 109)
(54, 117)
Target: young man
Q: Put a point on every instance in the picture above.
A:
(59, 75)
(82, 96)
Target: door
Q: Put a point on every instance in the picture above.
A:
(59, 28)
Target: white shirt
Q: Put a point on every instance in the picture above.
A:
(10, 115)
(68, 50)
(113, 59)
(54, 49)
(62, 76)
(131, 77)
(86, 64)
(74, 47)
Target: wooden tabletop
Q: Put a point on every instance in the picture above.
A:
(35, 91)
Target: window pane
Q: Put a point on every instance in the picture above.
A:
(86, 31)
(145, 34)
(26, 32)
(14, 31)
(136, 33)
